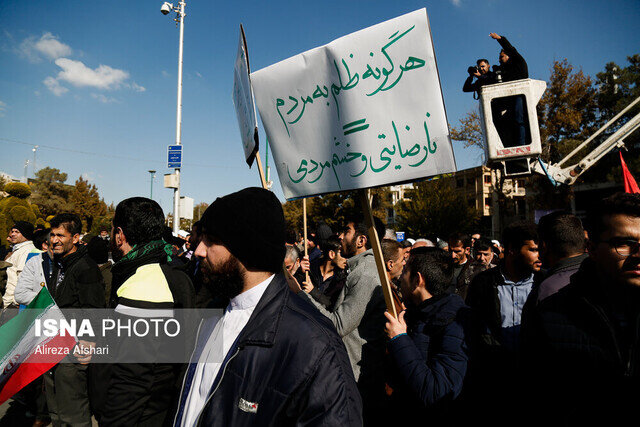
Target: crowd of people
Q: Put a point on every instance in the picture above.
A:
(542, 326)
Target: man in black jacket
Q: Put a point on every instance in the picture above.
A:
(141, 393)
(76, 283)
(513, 67)
(483, 75)
(272, 359)
(584, 339)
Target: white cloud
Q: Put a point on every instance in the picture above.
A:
(198, 74)
(78, 74)
(456, 3)
(47, 45)
(54, 86)
(165, 74)
(104, 99)
(3, 108)
(135, 86)
(88, 176)
(51, 47)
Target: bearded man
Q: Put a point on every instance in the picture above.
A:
(271, 359)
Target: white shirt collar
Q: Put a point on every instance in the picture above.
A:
(250, 298)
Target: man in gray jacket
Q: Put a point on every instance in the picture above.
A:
(359, 315)
(37, 271)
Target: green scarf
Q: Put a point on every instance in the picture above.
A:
(140, 250)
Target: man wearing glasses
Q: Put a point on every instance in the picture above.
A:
(584, 341)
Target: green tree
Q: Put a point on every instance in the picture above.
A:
(617, 88)
(87, 204)
(14, 208)
(469, 132)
(50, 192)
(335, 208)
(435, 209)
(198, 210)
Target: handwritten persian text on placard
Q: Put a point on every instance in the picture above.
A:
(364, 110)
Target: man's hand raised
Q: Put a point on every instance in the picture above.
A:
(494, 36)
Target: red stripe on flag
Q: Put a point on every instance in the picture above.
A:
(34, 366)
(630, 185)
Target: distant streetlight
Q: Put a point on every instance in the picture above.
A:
(167, 8)
(34, 160)
(26, 166)
(153, 175)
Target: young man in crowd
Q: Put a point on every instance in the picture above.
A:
(583, 340)
(464, 268)
(562, 250)
(358, 315)
(498, 294)
(272, 359)
(497, 297)
(428, 346)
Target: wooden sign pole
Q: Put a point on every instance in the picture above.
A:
(261, 171)
(304, 227)
(377, 251)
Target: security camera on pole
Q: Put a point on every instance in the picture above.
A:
(167, 8)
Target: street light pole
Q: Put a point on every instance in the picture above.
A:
(34, 161)
(26, 166)
(153, 175)
(166, 9)
(176, 191)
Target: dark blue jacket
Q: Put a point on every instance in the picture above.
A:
(430, 362)
(289, 360)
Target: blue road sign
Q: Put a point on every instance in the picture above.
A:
(400, 236)
(174, 156)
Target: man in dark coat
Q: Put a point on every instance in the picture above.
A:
(513, 67)
(76, 283)
(562, 250)
(272, 359)
(428, 349)
(583, 340)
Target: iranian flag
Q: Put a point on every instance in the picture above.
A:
(23, 355)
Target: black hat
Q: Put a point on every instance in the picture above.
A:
(250, 223)
(25, 228)
(323, 232)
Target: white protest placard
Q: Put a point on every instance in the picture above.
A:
(243, 101)
(362, 111)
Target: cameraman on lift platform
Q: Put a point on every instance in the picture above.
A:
(482, 73)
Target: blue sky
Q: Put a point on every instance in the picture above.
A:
(95, 82)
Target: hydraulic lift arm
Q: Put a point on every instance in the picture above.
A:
(567, 174)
